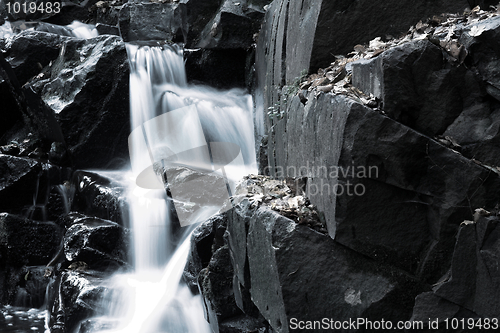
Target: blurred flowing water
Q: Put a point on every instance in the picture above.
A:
(153, 298)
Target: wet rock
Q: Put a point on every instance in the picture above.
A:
(30, 51)
(474, 279)
(216, 286)
(86, 90)
(18, 182)
(231, 28)
(199, 13)
(105, 29)
(287, 263)
(32, 287)
(77, 296)
(37, 118)
(10, 112)
(418, 189)
(27, 242)
(222, 69)
(205, 240)
(98, 243)
(99, 196)
(196, 195)
(242, 324)
(153, 21)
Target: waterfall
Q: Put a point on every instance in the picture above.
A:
(187, 128)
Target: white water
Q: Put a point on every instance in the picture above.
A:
(153, 298)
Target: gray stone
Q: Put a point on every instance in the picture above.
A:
(474, 279)
(99, 196)
(87, 89)
(153, 21)
(101, 244)
(417, 88)
(409, 184)
(30, 51)
(296, 272)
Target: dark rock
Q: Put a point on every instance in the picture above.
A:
(100, 244)
(77, 296)
(339, 23)
(32, 286)
(222, 69)
(432, 311)
(153, 21)
(229, 29)
(105, 29)
(69, 12)
(304, 35)
(26, 242)
(88, 91)
(263, 159)
(409, 184)
(203, 245)
(477, 128)
(474, 279)
(416, 88)
(216, 286)
(11, 110)
(30, 51)
(99, 196)
(38, 119)
(199, 13)
(484, 4)
(18, 182)
(25, 185)
(243, 324)
(289, 263)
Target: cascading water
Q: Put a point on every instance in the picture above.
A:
(152, 298)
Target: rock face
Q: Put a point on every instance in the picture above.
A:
(304, 35)
(395, 152)
(278, 264)
(153, 21)
(87, 88)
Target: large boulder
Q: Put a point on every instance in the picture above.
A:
(474, 278)
(232, 27)
(30, 51)
(98, 243)
(99, 196)
(418, 87)
(282, 263)
(422, 84)
(76, 296)
(25, 113)
(153, 21)
(87, 89)
(27, 242)
(371, 174)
